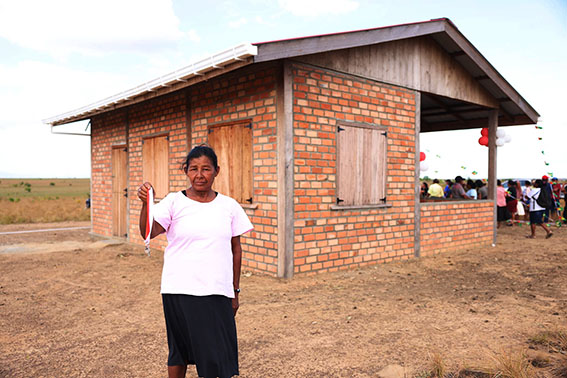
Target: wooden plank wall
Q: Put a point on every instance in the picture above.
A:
(417, 63)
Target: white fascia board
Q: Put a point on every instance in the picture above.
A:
(216, 61)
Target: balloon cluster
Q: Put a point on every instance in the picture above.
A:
(423, 166)
(501, 137)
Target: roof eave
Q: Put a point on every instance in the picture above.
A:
(464, 44)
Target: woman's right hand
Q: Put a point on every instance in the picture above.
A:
(143, 192)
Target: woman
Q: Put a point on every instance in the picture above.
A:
(447, 190)
(201, 269)
(502, 214)
(512, 200)
(424, 190)
(519, 205)
(481, 189)
(471, 189)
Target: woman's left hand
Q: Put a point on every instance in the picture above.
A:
(235, 304)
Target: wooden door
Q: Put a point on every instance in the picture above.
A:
(119, 191)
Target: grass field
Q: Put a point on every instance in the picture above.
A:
(43, 200)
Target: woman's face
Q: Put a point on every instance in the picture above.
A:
(201, 173)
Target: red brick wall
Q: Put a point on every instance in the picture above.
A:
(107, 130)
(450, 226)
(162, 115)
(327, 240)
(248, 94)
(245, 94)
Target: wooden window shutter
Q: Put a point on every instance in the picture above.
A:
(233, 146)
(361, 176)
(155, 163)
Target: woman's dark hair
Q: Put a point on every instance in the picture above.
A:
(538, 183)
(498, 182)
(479, 183)
(197, 152)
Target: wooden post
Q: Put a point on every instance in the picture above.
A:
(284, 117)
(417, 201)
(492, 165)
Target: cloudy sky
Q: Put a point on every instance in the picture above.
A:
(59, 55)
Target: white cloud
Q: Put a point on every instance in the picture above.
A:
(61, 27)
(238, 23)
(193, 36)
(32, 90)
(260, 20)
(314, 8)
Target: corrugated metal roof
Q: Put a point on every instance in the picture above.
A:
(217, 61)
(514, 109)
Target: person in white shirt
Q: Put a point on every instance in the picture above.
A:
(201, 270)
(536, 211)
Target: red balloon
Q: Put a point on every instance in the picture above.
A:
(484, 132)
(421, 156)
(483, 141)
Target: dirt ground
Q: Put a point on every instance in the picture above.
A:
(94, 309)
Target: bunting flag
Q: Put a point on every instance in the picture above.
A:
(149, 220)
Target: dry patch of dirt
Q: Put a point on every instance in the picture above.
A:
(96, 311)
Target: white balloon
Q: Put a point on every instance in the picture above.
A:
(423, 166)
(500, 133)
(508, 138)
(500, 142)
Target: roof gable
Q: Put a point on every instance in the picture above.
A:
(514, 109)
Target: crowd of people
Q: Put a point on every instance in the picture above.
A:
(537, 201)
(459, 189)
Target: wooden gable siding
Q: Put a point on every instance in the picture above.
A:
(416, 63)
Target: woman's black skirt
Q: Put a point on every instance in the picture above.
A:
(502, 214)
(201, 331)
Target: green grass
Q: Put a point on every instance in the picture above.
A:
(19, 188)
(43, 200)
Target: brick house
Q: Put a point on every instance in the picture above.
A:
(318, 139)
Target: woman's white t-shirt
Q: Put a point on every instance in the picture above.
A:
(198, 257)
